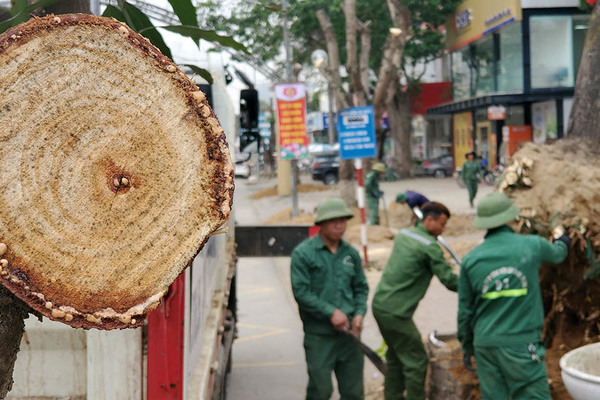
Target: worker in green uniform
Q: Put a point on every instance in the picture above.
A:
(330, 287)
(373, 192)
(471, 174)
(415, 258)
(500, 311)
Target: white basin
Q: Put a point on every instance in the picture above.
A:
(580, 370)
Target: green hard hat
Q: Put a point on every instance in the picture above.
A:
(331, 208)
(494, 210)
(379, 167)
(401, 198)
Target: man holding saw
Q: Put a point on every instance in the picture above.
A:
(331, 289)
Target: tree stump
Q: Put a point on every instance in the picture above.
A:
(115, 170)
(448, 378)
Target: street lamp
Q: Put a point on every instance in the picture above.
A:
(395, 31)
(319, 58)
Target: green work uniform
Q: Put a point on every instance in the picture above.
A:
(500, 312)
(373, 194)
(323, 282)
(415, 258)
(470, 173)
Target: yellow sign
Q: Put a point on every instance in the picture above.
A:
(462, 137)
(476, 18)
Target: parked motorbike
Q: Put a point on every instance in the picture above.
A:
(489, 177)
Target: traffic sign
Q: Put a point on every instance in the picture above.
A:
(356, 132)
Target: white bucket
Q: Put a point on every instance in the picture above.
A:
(580, 370)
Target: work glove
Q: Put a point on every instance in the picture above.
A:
(559, 234)
(467, 361)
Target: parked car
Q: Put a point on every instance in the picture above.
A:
(439, 167)
(326, 169)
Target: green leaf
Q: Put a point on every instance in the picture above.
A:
(23, 15)
(113, 12)
(210, 36)
(139, 22)
(202, 72)
(185, 11)
(18, 7)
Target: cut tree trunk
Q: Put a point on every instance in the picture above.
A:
(119, 170)
(585, 119)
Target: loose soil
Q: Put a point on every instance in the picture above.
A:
(302, 188)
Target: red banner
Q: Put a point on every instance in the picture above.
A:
(291, 113)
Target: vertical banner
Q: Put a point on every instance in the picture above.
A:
(291, 113)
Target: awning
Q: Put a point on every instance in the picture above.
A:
(500, 99)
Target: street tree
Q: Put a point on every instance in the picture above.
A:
(584, 119)
(381, 45)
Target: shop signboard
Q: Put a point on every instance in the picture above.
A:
(291, 120)
(496, 113)
(475, 18)
(356, 132)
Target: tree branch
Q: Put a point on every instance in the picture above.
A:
(335, 82)
(390, 65)
(365, 50)
(356, 89)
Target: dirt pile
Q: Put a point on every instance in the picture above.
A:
(284, 217)
(302, 188)
(560, 184)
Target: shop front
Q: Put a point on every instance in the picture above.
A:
(513, 65)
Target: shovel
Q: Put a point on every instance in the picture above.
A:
(440, 239)
(371, 355)
(385, 214)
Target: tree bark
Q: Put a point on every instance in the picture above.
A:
(365, 50)
(346, 182)
(390, 65)
(12, 314)
(400, 124)
(356, 90)
(332, 72)
(585, 119)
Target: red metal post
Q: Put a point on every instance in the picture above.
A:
(360, 197)
(165, 345)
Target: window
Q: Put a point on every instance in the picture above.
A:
(551, 42)
(483, 65)
(461, 77)
(510, 60)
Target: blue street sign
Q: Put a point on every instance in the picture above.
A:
(356, 132)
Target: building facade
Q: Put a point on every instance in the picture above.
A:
(513, 70)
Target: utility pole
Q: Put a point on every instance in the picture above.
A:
(290, 77)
